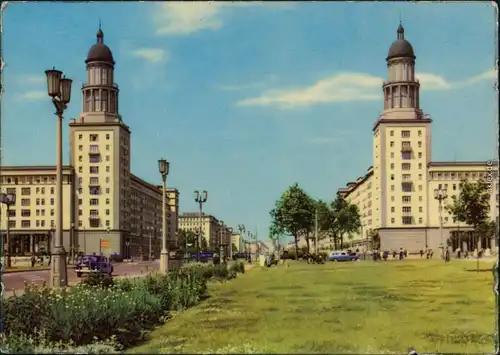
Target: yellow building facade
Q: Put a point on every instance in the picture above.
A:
(106, 208)
(212, 231)
(396, 196)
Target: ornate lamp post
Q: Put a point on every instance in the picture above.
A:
(230, 243)
(59, 89)
(440, 195)
(200, 198)
(8, 200)
(221, 240)
(163, 167)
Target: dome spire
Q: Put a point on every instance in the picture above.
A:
(401, 31)
(100, 34)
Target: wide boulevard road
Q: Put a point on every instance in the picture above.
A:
(16, 280)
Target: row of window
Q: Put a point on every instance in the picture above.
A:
(409, 220)
(93, 148)
(459, 176)
(94, 137)
(406, 134)
(27, 213)
(30, 180)
(419, 144)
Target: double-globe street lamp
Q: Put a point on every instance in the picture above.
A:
(8, 199)
(200, 198)
(163, 167)
(241, 229)
(59, 89)
(440, 195)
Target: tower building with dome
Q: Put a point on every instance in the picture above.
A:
(107, 209)
(396, 196)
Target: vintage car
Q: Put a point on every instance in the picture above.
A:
(93, 263)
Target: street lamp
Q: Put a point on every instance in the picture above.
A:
(230, 243)
(221, 236)
(59, 89)
(241, 228)
(440, 195)
(150, 235)
(200, 198)
(8, 199)
(163, 167)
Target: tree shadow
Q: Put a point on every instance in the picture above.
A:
(478, 270)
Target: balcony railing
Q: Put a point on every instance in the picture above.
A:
(406, 149)
(406, 214)
(94, 152)
(94, 184)
(94, 217)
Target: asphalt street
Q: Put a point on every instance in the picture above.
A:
(16, 280)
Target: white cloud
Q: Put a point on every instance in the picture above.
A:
(348, 87)
(32, 79)
(153, 55)
(337, 88)
(34, 95)
(184, 18)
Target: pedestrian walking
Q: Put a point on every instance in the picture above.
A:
(405, 253)
(421, 253)
(401, 254)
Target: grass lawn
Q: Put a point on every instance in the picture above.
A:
(360, 307)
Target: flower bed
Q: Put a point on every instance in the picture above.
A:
(99, 310)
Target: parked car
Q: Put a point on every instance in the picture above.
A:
(343, 256)
(93, 263)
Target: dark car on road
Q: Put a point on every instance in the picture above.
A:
(93, 263)
(343, 256)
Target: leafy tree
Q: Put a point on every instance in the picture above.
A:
(375, 237)
(293, 213)
(347, 218)
(326, 221)
(472, 205)
(234, 248)
(191, 239)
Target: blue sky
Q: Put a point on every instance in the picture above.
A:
(245, 99)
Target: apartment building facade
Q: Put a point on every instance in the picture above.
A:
(214, 233)
(396, 196)
(107, 209)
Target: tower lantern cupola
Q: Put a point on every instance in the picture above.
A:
(401, 90)
(100, 93)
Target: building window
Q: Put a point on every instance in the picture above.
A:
(12, 224)
(406, 187)
(42, 190)
(107, 146)
(405, 134)
(420, 177)
(107, 190)
(94, 181)
(42, 202)
(406, 219)
(94, 201)
(51, 212)
(51, 202)
(94, 223)
(80, 136)
(406, 155)
(26, 191)
(392, 220)
(391, 144)
(420, 188)
(107, 179)
(420, 198)
(80, 190)
(392, 187)
(405, 166)
(94, 191)
(107, 135)
(25, 213)
(80, 169)
(107, 157)
(406, 177)
(107, 212)
(392, 176)
(420, 209)
(107, 201)
(454, 187)
(420, 165)
(80, 223)
(420, 133)
(392, 165)
(392, 154)
(392, 133)
(93, 137)
(95, 159)
(80, 212)
(38, 223)
(406, 199)
(94, 148)
(420, 220)
(80, 147)
(12, 213)
(26, 224)
(107, 169)
(38, 202)
(419, 155)
(393, 209)
(419, 144)
(94, 169)
(25, 202)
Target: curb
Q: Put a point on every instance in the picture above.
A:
(24, 270)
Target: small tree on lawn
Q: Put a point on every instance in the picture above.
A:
(472, 206)
(375, 239)
(326, 221)
(293, 213)
(346, 218)
(275, 234)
